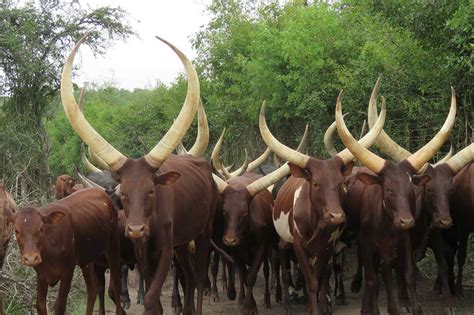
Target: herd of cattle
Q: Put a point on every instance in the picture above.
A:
(166, 210)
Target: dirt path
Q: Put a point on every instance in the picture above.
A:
(430, 303)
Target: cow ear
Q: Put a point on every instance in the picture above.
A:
(346, 170)
(7, 210)
(421, 180)
(368, 179)
(167, 178)
(299, 172)
(116, 177)
(53, 217)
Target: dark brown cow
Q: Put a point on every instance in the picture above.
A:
(382, 203)
(76, 230)
(308, 212)
(160, 216)
(66, 185)
(5, 229)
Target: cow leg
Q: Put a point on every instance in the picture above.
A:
(323, 273)
(91, 286)
(175, 297)
(184, 258)
(65, 286)
(214, 271)
(369, 300)
(154, 285)
(356, 283)
(311, 280)
(231, 293)
(141, 287)
(41, 293)
(203, 243)
(276, 283)
(100, 276)
(124, 296)
(338, 267)
(224, 275)
(266, 274)
(409, 272)
(250, 306)
(437, 244)
(386, 270)
(463, 238)
(285, 275)
(113, 260)
(242, 278)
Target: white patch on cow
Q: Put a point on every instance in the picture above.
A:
(282, 226)
(105, 204)
(409, 177)
(335, 236)
(295, 199)
(383, 203)
(313, 260)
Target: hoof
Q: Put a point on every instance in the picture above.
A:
(356, 284)
(341, 301)
(177, 310)
(449, 311)
(231, 295)
(215, 297)
(126, 305)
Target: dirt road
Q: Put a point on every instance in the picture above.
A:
(430, 303)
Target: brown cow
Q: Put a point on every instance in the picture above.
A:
(381, 202)
(5, 229)
(76, 230)
(160, 216)
(66, 185)
(307, 210)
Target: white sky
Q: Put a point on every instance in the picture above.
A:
(141, 62)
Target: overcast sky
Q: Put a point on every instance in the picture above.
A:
(141, 62)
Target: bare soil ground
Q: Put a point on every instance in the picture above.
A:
(430, 303)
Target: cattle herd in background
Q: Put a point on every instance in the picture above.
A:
(166, 210)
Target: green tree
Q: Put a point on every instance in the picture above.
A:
(35, 37)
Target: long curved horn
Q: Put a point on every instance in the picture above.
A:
(89, 135)
(185, 118)
(86, 181)
(446, 157)
(258, 161)
(241, 170)
(270, 179)
(423, 155)
(90, 167)
(202, 139)
(359, 151)
(276, 146)
(329, 138)
(181, 150)
(461, 159)
(98, 160)
(384, 142)
(303, 145)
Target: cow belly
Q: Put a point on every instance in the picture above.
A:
(282, 226)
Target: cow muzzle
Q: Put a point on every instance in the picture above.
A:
(443, 223)
(404, 224)
(231, 241)
(136, 231)
(32, 259)
(335, 218)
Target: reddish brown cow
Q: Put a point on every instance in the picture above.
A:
(66, 185)
(382, 203)
(308, 212)
(160, 216)
(76, 230)
(5, 229)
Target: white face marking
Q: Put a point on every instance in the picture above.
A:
(282, 226)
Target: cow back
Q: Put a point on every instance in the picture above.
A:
(191, 201)
(462, 198)
(6, 229)
(92, 216)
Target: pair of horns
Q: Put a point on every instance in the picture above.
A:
(111, 156)
(269, 179)
(376, 163)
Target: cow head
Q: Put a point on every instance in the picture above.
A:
(395, 179)
(326, 179)
(29, 226)
(436, 196)
(64, 186)
(138, 178)
(138, 192)
(236, 211)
